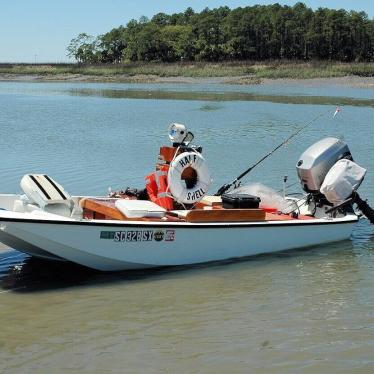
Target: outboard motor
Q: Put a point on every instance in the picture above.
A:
(317, 160)
(328, 174)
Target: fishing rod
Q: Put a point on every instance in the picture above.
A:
(227, 186)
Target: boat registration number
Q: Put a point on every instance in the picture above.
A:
(139, 235)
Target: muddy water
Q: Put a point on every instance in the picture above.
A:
(301, 311)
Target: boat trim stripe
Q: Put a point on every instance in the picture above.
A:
(40, 187)
(174, 226)
(54, 185)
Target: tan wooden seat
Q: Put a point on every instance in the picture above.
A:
(225, 215)
(101, 209)
(106, 209)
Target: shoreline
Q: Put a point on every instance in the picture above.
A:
(347, 81)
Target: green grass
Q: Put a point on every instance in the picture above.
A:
(314, 70)
(251, 70)
(158, 69)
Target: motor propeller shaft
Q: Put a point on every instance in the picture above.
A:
(364, 207)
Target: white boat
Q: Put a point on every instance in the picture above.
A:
(118, 233)
(118, 245)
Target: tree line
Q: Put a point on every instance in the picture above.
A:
(252, 33)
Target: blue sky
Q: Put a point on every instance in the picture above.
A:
(40, 30)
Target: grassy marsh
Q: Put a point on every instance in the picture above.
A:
(245, 72)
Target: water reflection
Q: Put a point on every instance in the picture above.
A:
(219, 96)
(210, 107)
(33, 274)
(21, 273)
(363, 235)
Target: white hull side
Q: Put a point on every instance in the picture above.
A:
(26, 247)
(193, 243)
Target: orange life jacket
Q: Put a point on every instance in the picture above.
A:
(157, 187)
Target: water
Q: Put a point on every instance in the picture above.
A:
(300, 311)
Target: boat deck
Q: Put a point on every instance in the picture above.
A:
(105, 209)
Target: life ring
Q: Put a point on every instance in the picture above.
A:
(178, 187)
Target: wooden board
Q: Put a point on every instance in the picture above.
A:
(225, 215)
(102, 208)
(106, 209)
(285, 217)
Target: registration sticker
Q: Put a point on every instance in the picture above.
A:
(170, 235)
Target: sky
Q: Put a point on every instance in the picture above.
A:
(40, 30)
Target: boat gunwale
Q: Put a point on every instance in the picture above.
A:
(184, 225)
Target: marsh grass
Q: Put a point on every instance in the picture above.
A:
(313, 70)
(247, 70)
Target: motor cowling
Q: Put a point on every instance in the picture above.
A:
(317, 160)
(327, 171)
(342, 180)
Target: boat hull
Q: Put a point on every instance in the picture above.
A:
(114, 245)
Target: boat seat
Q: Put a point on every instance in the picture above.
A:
(140, 208)
(233, 215)
(221, 215)
(99, 208)
(130, 209)
(44, 193)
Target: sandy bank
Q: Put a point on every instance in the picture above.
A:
(348, 81)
